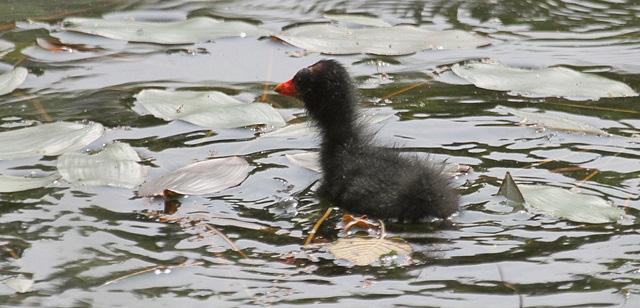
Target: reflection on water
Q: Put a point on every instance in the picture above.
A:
(73, 241)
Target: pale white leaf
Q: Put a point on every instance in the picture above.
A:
(10, 183)
(48, 139)
(117, 165)
(555, 121)
(11, 80)
(20, 285)
(309, 160)
(544, 82)
(5, 46)
(566, 204)
(292, 131)
(43, 55)
(193, 30)
(201, 178)
(396, 40)
(210, 109)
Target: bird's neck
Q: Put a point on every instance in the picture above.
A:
(341, 132)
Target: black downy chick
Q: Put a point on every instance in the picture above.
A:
(358, 175)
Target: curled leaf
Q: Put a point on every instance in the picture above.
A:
(509, 189)
(53, 50)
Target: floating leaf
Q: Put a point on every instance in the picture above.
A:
(116, 165)
(48, 139)
(510, 190)
(397, 40)
(10, 183)
(546, 82)
(5, 47)
(55, 45)
(359, 19)
(292, 130)
(10, 80)
(309, 160)
(79, 39)
(201, 178)
(54, 50)
(193, 30)
(210, 109)
(20, 285)
(560, 202)
(554, 121)
(364, 251)
(564, 203)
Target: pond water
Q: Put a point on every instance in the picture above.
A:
(99, 246)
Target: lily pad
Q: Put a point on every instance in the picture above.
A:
(53, 50)
(308, 160)
(116, 165)
(210, 109)
(545, 82)
(101, 42)
(193, 30)
(10, 183)
(566, 204)
(396, 40)
(201, 178)
(5, 47)
(555, 121)
(359, 19)
(365, 251)
(292, 131)
(19, 284)
(11, 80)
(560, 203)
(48, 139)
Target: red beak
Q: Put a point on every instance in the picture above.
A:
(287, 88)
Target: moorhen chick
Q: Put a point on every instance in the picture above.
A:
(358, 175)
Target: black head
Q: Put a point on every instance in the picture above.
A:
(326, 90)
